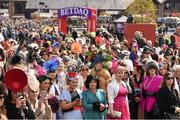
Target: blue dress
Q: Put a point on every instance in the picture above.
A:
(88, 99)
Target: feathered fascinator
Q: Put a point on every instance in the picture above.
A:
(115, 63)
(39, 70)
(72, 70)
(51, 65)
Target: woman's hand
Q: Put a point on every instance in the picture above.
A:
(112, 115)
(102, 107)
(20, 102)
(137, 99)
(77, 102)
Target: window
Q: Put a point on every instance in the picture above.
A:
(178, 7)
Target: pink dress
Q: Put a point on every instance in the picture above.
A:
(121, 103)
(151, 85)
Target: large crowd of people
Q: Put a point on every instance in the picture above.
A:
(87, 76)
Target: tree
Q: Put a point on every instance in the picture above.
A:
(143, 11)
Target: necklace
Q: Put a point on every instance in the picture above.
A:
(145, 83)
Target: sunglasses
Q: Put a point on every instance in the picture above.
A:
(85, 69)
(146, 53)
(2, 97)
(170, 78)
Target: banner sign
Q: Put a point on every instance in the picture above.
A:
(74, 11)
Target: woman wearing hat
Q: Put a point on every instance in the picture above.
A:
(94, 100)
(168, 98)
(145, 54)
(17, 104)
(70, 99)
(3, 93)
(45, 84)
(99, 72)
(18, 107)
(117, 96)
(150, 86)
(40, 107)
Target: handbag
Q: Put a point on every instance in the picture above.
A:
(171, 116)
(116, 113)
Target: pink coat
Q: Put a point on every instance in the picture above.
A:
(151, 85)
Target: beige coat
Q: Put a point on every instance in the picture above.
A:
(103, 76)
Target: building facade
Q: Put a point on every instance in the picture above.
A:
(26, 7)
(14, 7)
(168, 7)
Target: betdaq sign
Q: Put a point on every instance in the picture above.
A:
(74, 11)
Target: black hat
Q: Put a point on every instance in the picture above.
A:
(146, 49)
(98, 59)
(43, 78)
(113, 48)
(168, 52)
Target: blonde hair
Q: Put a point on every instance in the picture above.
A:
(122, 68)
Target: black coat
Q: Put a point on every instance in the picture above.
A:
(167, 100)
(16, 113)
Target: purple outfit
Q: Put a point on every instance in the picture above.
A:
(150, 84)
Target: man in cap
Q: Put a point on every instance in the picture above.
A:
(146, 54)
(99, 72)
(168, 54)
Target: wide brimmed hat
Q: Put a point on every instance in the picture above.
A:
(33, 83)
(126, 52)
(146, 50)
(76, 48)
(15, 80)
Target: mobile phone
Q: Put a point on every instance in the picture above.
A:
(78, 100)
(20, 94)
(43, 94)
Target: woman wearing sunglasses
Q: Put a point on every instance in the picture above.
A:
(2, 107)
(82, 76)
(168, 98)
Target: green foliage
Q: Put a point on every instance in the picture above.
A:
(143, 11)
